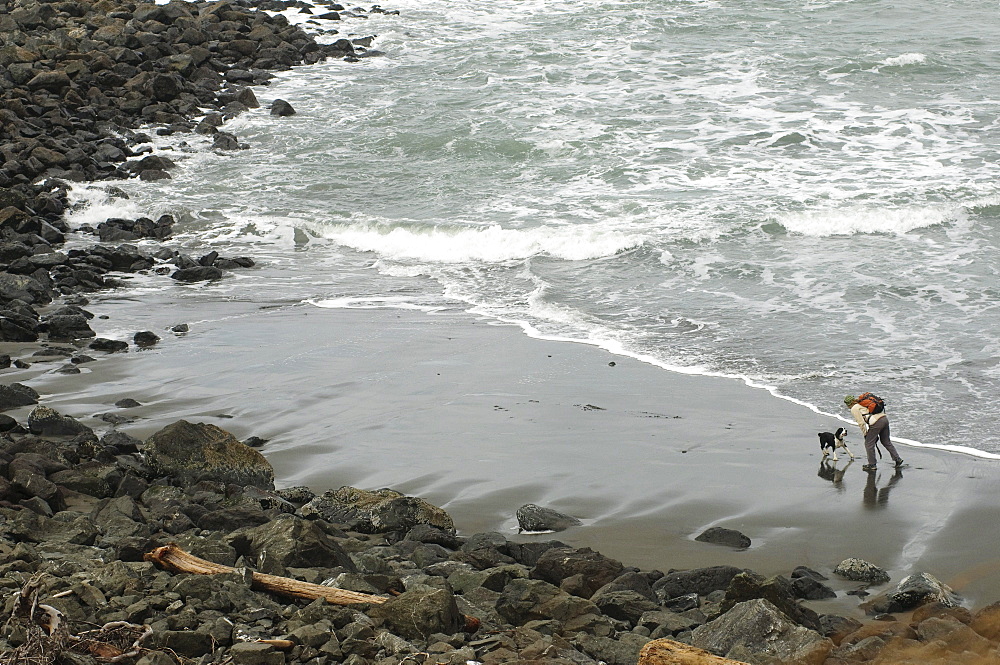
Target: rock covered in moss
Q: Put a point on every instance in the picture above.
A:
(192, 452)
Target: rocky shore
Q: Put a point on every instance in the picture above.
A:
(83, 514)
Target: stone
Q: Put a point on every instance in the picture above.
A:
(758, 630)
(913, 591)
(197, 274)
(859, 570)
(718, 535)
(701, 581)
(777, 590)
(537, 519)
(379, 511)
(46, 421)
(419, 613)
(289, 541)
(145, 339)
(191, 452)
(524, 600)
(67, 327)
(256, 653)
(281, 108)
(665, 651)
(595, 570)
(14, 395)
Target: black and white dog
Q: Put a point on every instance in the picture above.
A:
(830, 441)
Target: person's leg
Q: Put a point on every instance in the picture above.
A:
(871, 437)
(883, 437)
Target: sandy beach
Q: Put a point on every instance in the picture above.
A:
(481, 419)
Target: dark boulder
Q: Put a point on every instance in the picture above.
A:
(379, 511)
(588, 570)
(718, 535)
(16, 394)
(197, 274)
(701, 581)
(281, 108)
(45, 421)
(538, 519)
(191, 452)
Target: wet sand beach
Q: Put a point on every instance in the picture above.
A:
(481, 419)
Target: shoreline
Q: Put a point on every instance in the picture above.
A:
(480, 433)
(472, 417)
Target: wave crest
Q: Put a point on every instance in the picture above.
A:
(452, 244)
(851, 221)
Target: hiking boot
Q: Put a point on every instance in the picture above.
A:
(899, 462)
(868, 467)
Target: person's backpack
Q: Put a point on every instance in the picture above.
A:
(872, 402)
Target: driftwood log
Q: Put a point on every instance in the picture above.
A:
(668, 652)
(173, 558)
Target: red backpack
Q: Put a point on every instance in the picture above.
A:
(872, 402)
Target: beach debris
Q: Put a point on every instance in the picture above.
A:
(718, 535)
(859, 570)
(536, 519)
(173, 558)
(47, 638)
(665, 651)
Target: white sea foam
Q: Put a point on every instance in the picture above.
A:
(905, 59)
(92, 204)
(456, 244)
(372, 302)
(854, 220)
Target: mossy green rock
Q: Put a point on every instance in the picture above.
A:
(192, 452)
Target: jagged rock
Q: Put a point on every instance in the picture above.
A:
(14, 395)
(777, 590)
(535, 518)
(379, 511)
(913, 591)
(145, 339)
(757, 632)
(197, 274)
(623, 650)
(419, 613)
(718, 535)
(701, 581)
(859, 570)
(591, 569)
(190, 453)
(289, 541)
(67, 327)
(524, 600)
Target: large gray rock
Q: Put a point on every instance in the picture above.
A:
(46, 421)
(419, 613)
(859, 570)
(524, 600)
(591, 569)
(15, 395)
(913, 591)
(701, 581)
(759, 633)
(538, 519)
(379, 511)
(191, 453)
(777, 590)
(290, 541)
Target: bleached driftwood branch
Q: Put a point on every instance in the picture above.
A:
(173, 558)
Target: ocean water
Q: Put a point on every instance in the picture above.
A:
(800, 195)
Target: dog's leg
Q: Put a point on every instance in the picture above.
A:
(848, 451)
